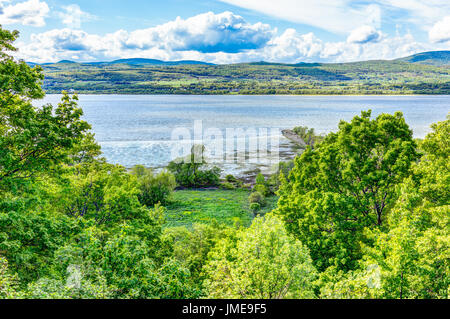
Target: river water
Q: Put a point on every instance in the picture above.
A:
(138, 129)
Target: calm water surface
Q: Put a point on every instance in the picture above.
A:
(137, 129)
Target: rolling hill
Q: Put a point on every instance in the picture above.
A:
(438, 58)
(425, 73)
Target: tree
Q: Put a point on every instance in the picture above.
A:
(71, 225)
(192, 246)
(9, 283)
(191, 172)
(308, 135)
(345, 185)
(410, 259)
(261, 262)
(413, 256)
(131, 257)
(32, 139)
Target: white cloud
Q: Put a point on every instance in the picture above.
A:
(339, 16)
(219, 38)
(422, 13)
(440, 31)
(31, 12)
(73, 16)
(364, 34)
(385, 49)
(206, 33)
(293, 47)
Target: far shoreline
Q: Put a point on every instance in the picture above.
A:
(258, 95)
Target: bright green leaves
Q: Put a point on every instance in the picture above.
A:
(261, 262)
(32, 139)
(346, 184)
(409, 257)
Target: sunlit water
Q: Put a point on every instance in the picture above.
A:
(137, 129)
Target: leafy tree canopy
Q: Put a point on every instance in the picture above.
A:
(346, 184)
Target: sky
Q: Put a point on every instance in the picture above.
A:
(226, 31)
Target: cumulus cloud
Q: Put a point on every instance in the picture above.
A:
(293, 47)
(364, 34)
(440, 32)
(73, 16)
(209, 32)
(217, 38)
(31, 12)
(205, 34)
(385, 49)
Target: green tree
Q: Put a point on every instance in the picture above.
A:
(411, 258)
(32, 139)
(308, 135)
(414, 254)
(9, 283)
(132, 258)
(345, 185)
(261, 262)
(192, 246)
(191, 171)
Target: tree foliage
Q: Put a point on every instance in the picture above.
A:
(346, 184)
(410, 259)
(261, 262)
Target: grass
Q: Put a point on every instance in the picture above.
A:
(204, 206)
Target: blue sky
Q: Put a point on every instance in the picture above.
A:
(227, 31)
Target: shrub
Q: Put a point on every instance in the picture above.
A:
(260, 179)
(231, 179)
(189, 171)
(255, 208)
(227, 185)
(154, 189)
(256, 197)
(263, 189)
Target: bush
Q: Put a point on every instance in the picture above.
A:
(188, 171)
(256, 197)
(260, 179)
(255, 208)
(263, 189)
(227, 185)
(283, 170)
(154, 189)
(231, 179)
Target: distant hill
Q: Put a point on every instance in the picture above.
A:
(136, 62)
(66, 62)
(156, 62)
(438, 58)
(424, 73)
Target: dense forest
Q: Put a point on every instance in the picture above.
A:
(362, 213)
(140, 76)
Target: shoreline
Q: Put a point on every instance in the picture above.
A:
(261, 95)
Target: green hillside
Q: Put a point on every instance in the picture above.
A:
(141, 76)
(438, 58)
